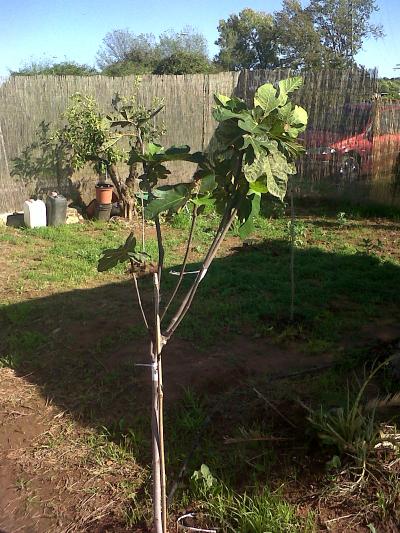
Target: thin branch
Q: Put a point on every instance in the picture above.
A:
(139, 297)
(270, 404)
(228, 440)
(185, 305)
(292, 250)
(160, 249)
(143, 224)
(184, 263)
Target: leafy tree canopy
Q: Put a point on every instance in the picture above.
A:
(390, 87)
(247, 40)
(123, 53)
(183, 63)
(324, 33)
(65, 68)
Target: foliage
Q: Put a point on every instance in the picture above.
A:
(248, 514)
(65, 68)
(247, 40)
(187, 40)
(94, 137)
(88, 134)
(324, 33)
(252, 156)
(343, 27)
(183, 62)
(389, 87)
(126, 252)
(353, 429)
(124, 53)
(121, 46)
(299, 41)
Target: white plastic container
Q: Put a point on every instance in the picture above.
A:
(34, 213)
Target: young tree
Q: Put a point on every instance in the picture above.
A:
(253, 154)
(94, 137)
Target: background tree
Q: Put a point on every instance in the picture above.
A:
(124, 53)
(186, 40)
(137, 53)
(390, 87)
(325, 33)
(93, 137)
(183, 63)
(343, 26)
(65, 68)
(247, 40)
(299, 41)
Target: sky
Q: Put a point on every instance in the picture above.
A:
(59, 30)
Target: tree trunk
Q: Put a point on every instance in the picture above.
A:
(157, 513)
(159, 488)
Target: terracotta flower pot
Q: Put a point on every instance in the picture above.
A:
(104, 193)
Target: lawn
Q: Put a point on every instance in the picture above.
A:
(238, 374)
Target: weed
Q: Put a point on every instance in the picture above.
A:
(299, 232)
(369, 246)
(352, 430)
(261, 512)
(8, 361)
(342, 219)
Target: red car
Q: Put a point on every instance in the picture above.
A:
(354, 141)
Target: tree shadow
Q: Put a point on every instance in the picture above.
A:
(81, 346)
(44, 165)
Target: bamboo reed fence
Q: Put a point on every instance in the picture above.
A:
(25, 102)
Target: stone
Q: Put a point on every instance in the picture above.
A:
(74, 216)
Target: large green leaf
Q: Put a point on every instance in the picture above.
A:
(156, 153)
(287, 86)
(170, 199)
(259, 186)
(247, 227)
(230, 102)
(277, 177)
(299, 116)
(111, 257)
(178, 150)
(290, 84)
(206, 200)
(265, 98)
(207, 183)
(259, 167)
(221, 114)
(247, 123)
(221, 99)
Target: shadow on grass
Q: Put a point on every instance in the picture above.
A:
(82, 346)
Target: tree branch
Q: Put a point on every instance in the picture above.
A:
(139, 297)
(185, 305)
(184, 263)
